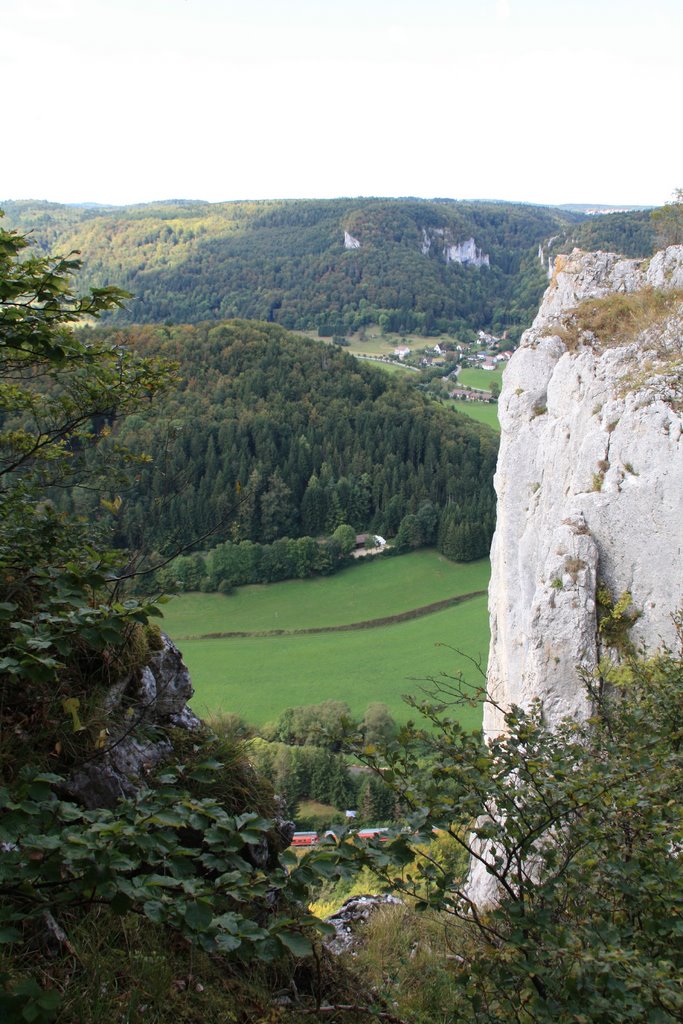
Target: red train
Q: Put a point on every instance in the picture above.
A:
(311, 838)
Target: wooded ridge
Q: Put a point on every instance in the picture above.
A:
(329, 265)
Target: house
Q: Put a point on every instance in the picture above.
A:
(469, 395)
(364, 540)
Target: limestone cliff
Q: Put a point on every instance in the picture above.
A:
(590, 476)
(451, 250)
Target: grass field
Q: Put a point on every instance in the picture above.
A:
(378, 344)
(258, 677)
(370, 589)
(482, 412)
(481, 379)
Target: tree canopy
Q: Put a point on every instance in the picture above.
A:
(271, 436)
(286, 262)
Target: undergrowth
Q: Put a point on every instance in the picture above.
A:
(617, 319)
(126, 970)
(405, 957)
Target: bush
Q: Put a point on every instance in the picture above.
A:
(577, 830)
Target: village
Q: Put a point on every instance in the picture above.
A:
(488, 352)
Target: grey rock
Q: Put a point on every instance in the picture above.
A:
(155, 699)
(355, 911)
(172, 687)
(467, 254)
(98, 784)
(589, 485)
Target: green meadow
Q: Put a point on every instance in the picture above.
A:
(391, 367)
(473, 377)
(482, 412)
(369, 589)
(259, 676)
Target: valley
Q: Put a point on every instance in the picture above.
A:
(329, 266)
(204, 468)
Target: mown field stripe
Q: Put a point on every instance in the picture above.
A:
(388, 620)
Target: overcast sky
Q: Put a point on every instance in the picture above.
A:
(546, 101)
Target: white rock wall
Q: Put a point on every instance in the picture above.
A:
(466, 253)
(590, 486)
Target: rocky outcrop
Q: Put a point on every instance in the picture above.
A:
(350, 242)
(140, 709)
(355, 912)
(452, 251)
(466, 253)
(589, 483)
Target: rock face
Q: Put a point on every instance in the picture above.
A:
(353, 913)
(157, 696)
(589, 483)
(451, 251)
(467, 253)
(590, 489)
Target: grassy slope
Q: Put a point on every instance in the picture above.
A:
(259, 677)
(482, 412)
(393, 367)
(482, 379)
(368, 590)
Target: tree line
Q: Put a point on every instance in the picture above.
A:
(302, 754)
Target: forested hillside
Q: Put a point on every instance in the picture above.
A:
(334, 265)
(269, 435)
(631, 234)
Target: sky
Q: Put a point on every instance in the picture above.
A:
(542, 101)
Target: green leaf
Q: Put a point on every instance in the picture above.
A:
(50, 1000)
(121, 904)
(296, 943)
(198, 916)
(154, 911)
(227, 943)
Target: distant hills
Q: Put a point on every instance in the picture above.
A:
(332, 266)
(598, 208)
